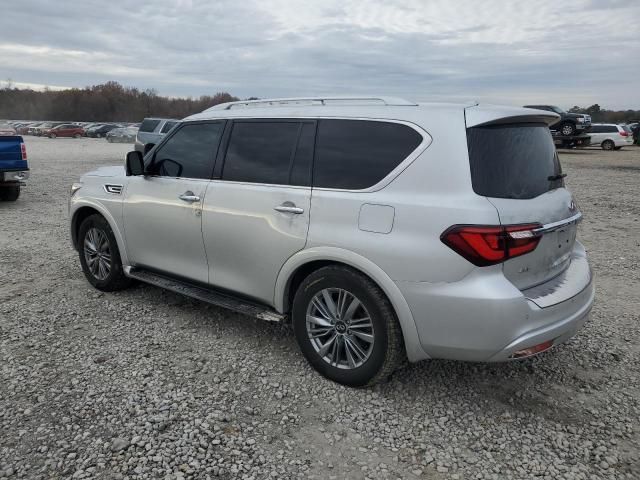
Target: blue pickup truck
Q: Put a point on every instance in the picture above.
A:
(13, 167)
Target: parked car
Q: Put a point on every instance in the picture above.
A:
(151, 132)
(6, 130)
(382, 229)
(122, 135)
(65, 130)
(14, 169)
(23, 129)
(610, 136)
(100, 131)
(568, 124)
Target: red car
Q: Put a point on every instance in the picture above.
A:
(64, 130)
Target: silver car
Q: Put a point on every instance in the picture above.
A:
(380, 228)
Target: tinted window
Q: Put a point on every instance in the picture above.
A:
(611, 129)
(356, 154)
(149, 125)
(596, 129)
(189, 152)
(513, 161)
(167, 126)
(262, 152)
(626, 128)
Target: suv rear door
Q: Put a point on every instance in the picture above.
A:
(515, 165)
(162, 210)
(256, 210)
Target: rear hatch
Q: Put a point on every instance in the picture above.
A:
(515, 165)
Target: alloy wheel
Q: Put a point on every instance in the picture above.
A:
(340, 328)
(97, 253)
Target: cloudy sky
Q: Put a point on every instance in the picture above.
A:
(503, 51)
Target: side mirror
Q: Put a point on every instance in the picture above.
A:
(148, 147)
(134, 163)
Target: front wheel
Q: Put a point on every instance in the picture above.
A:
(346, 327)
(99, 255)
(52, 135)
(10, 194)
(77, 135)
(608, 145)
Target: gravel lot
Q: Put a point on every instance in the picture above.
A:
(148, 384)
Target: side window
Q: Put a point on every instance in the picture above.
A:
(357, 154)
(148, 125)
(265, 152)
(611, 129)
(596, 129)
(189, 152)
(167, 126)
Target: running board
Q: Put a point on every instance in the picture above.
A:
(210, 296)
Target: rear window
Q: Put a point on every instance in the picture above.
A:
(149, 125)
(513, 161)
(626, 128)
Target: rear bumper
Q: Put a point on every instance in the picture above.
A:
(14, 176)
(484, 317)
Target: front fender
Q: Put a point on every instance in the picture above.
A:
(405, 317)
(78, 203)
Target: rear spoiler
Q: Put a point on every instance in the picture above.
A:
(483, 115)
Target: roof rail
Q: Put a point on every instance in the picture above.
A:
(334, 100)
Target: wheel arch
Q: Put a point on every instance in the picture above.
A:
(303, 263)
(84, 210)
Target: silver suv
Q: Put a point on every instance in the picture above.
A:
(151, 132)
(382, 229)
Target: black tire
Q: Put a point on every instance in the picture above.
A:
(115, 280)
(608, 145)
(387, 352)
(77, 135)
(52, 135)
(10, 194)
(109, 139)
(568, 129)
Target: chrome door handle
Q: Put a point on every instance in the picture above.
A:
(189, 196)
(289, 207)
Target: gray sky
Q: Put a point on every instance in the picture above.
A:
(501, 51)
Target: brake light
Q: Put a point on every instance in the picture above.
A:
(624, 133)
(23, 149)
(485, 245)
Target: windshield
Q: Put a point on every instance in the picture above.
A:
(557, 110)
(517, 161)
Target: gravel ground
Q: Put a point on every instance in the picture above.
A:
(148, 384)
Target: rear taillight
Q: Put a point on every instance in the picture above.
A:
(485, 245)
(624, 133)
(23, 149)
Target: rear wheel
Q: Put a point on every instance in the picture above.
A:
(77, 135)
(568, 129)
(99, 255)
(346, 327)
(52, 135)
(608, 145)
(10, 194)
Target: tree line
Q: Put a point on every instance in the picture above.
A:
(113, 102)
(602, 115)
(109, 102)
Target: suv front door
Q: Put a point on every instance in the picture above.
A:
(163, 209)
(256, 210)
